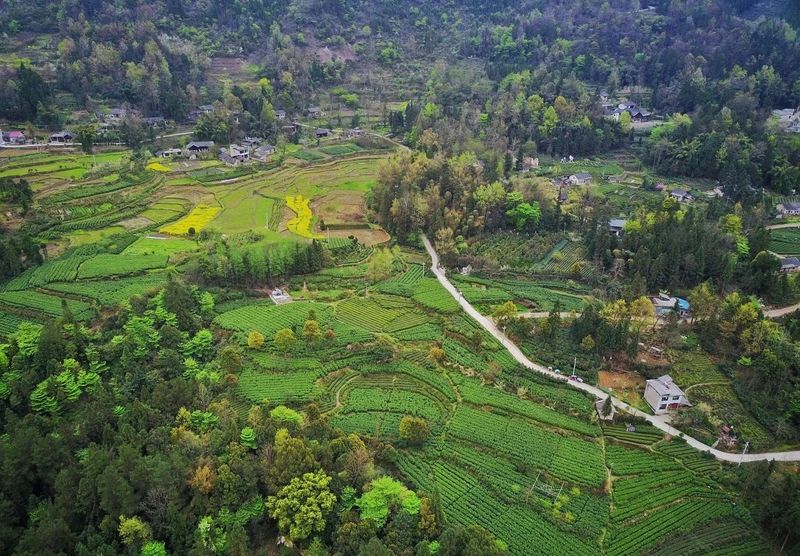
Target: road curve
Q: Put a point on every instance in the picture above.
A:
(654, 420)
(781, 311)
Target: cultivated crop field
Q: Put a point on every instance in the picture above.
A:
(196, 220)
(785, 241)
(514, 452)
(529, 465)
(539, 295)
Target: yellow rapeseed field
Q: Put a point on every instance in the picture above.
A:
(158, 167)
(198, 219)
(300, 224)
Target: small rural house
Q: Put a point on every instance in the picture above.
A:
(169, 153)
(12, 137)
(663, 395)
(62, 137)
(116, 115)
(199, 146)
(788, 209)
(665, 304)
(155, 121)
(322, 132)
(637, 114)
(315, 112)
(263, 153)
(355, 132)
(715, 193)
(681, 195)
(235, 155)
(581, 178)
(227, 159)
(617, 226)
(252, 142)
(790, 264)
(280, 114)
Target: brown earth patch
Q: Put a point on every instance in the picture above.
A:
(619, 381)
(367, 237)
(341, 207)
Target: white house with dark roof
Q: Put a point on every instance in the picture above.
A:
(789, 208)
(169, 153)
(663, 395)
(681, 195)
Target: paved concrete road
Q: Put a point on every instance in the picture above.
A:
(657, 421)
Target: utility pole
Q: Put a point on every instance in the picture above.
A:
(746, 446)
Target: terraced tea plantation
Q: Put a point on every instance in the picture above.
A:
(532, 465)
(512, 451)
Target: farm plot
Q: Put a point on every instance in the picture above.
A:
(153, 245)
(288, 387)
(466, 501)
(644, 435)
(571, 459)
(164, 211)
(430, 293)
(119, 265)
(308, 156)
(341, 150)
(9, 323)
(694, 367)
(65, 268)
(725, 536)
(195, 221)
(340, 208)
(370, 315)
(475, 393)
(33, 302)
(403, 284)
(785, 241)
(673, 519)
(392, 400)
(565, 259)
(542, 297)
(301, 224)
(268, 318)
(111, 292)
(624, 461)
(690, 457)
(245, 211)
(90, 190)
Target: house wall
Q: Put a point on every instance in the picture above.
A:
(652, 397)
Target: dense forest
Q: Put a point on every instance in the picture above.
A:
(542, 65)
(123, 438)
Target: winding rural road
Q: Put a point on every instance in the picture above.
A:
(655, 420)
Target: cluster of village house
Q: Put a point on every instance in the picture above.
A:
(116, 116)
(251, 149)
